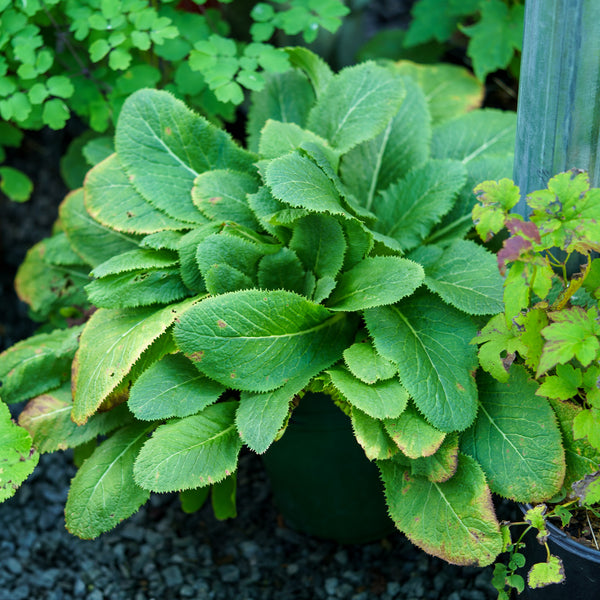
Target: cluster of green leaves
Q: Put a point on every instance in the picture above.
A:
(84, 57)
(330, 255)
(494, 29)
(550, 326)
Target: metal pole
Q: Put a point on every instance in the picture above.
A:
(558, 118)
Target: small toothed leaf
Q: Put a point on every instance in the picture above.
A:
(191, 452)
(103, 491)
(413, 434)
(380, 400)
(112, 342)
(172, 387)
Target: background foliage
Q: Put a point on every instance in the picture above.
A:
(60, 58)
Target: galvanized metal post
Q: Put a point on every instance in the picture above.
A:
(558, 119)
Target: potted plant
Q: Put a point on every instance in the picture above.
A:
(542, 353)
(227, 283)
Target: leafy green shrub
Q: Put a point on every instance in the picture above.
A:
(84, 57)
(494, 29)
(546, 346)
(328, 256)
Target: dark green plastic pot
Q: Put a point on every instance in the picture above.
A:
(322, 482)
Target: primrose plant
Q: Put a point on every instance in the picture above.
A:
(225, 283)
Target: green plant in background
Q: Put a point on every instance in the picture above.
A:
(329, 256)
(547, 338)
(60, 58)
(494, 29)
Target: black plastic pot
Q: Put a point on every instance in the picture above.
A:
(581, 564)
(322, 482)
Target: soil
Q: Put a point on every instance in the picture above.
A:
(584, 528)
(23, 225)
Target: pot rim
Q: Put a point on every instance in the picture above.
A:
(566, 542)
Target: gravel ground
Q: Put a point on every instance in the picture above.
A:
(161, 553)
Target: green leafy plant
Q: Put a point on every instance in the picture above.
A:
(494, 29)
(548, 336)
(331, 255)
(84, 57)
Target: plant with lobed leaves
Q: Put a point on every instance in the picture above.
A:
(541, 409)
(329, 256)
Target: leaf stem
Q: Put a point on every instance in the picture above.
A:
(572, 286)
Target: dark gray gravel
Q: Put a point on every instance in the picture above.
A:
(161, 553)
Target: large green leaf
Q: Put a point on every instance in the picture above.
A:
(466, 275)
(103, 492)
(111, 199)
(408, 209)
(256, 340)
(373, 166)
(376, 281)
(93, 241)
(17, 456)
(260, 417)
(316, 69)
(450, 90)
(47, 418)
(286, 97)
(221, 195)
(413, 434)
(156, 128)
(453, 520)
(366, 364)
(480, 132)
(515, 424)
(356, 105)
(37, 364)
(278, 138)
(172, 387)
(430, 342)
(111, 343)
(502, 23)
(191, 452)
(298, 181)
(372, 436)
(380, 400)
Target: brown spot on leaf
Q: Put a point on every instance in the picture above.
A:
(196, 356)
(168, 131)
(221, 324)
(215, 200)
